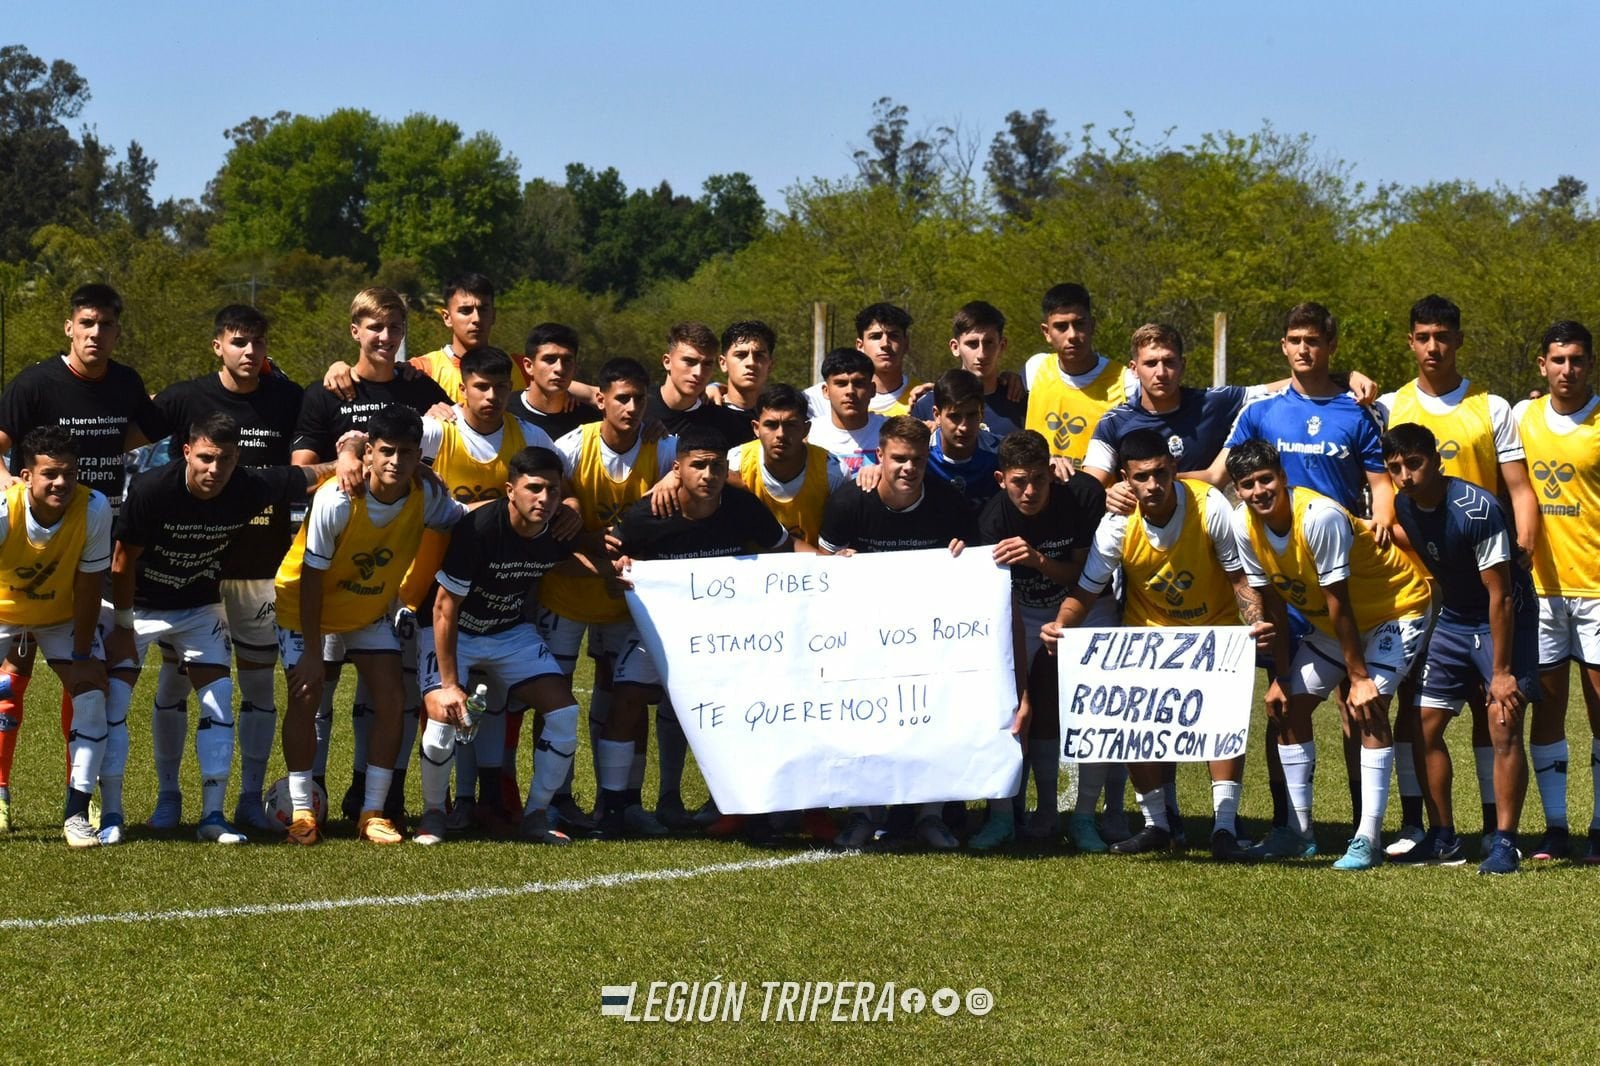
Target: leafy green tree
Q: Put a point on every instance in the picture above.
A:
(38, 155)
(1023, 160)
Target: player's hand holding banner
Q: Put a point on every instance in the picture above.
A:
(1156, 694)
(815, 681)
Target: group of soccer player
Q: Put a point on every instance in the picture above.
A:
(470, 519)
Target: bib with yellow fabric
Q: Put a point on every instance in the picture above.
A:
(36, 579)
(801, 515)
(1183, 585)
(1465, 434)
(444, 367)
(469, 481)
(1384, 584)
(367, 566)
(1066, 414)
(602, 500)
(1565, 471)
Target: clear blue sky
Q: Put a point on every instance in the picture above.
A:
(1404, 92)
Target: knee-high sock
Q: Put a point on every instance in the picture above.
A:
(1299, 764)
(552, 756)
(1044, 759)
(86, 742)
(1594, 775)
(438, 751)
(1550, 771)
(360, 729)
(1091, 780)
(1225, 804)
(466, 770)
(1376, 764)
(672, 747)
(410, 721)
(599, 712)
(302, 790)
(376, 784)
(119, 698)
(258, 729)
(213, 743)
(491, 740)
(1405, 769)
(1116, 786)
(1153, 805)
(1483, 764)
(169, 726)
(12, 688)
(324, 727)
(612, 763)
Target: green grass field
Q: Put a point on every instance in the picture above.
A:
(1102, 958)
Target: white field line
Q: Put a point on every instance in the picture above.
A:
(418, 899)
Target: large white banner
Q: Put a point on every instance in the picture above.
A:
(1156, 694)
(814, 681)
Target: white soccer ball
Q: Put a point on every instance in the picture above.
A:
(281, 809)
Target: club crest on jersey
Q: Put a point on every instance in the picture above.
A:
(1175, 446)
(34, 578)
(1449, 449)
(368, 564)
(1553, 476)
(1314, 425)
(1290, 588)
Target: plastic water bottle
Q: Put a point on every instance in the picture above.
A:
(477, 706)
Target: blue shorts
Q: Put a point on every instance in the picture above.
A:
(1459, 661)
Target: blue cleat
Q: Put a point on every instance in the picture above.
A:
(168, 812)
(1503, 857)
(1285, 843)
(215, 829)
(1434, 849)
(1361, 855)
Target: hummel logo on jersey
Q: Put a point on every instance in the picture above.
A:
(1065, 428)
(1171, 585)
(475, 493)
(1291, 589)
(35, 577)
(1449, 449)
(1553, 475)
(368, 564)
(1314, 425)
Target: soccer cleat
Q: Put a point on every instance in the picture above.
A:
(350, 806)
(1114, 826)
(574, 817)
(79, 833)
(932, 831)
(707, 814)
(726, 826)
(1555, 844)
(1285, 843)
(1043, 825)
(1502, 858)
(536, 829)
(430, 828)
(1001, 828)
(374, 828)
(1150, 838)
(248, 813)
(1225, 847)
(1085, 836)
(492, 821)
(1434, 849)
(460, 817)
(1361, 854)
(303, 829)
(1404, 844)
(672, 814)
(858, 834)
(639, 822)
(819, 826)
(214, 829)
(168, 812)
(5, 812)
(111, 831)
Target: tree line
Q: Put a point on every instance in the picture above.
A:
(304, 210)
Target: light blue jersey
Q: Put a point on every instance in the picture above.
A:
(1328, 444)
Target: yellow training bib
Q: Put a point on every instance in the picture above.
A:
(367, 565)
(801, 515)
(1465, 434)
(1183, 585)
(1066, 414)
(1565, 471)
(36, 579)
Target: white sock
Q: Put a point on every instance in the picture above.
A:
(1483, 762)
(1225, 802)
(1550, 771)
(552, 756)
(169, 728)
(378, 778)
(1375, 766)
(115, 761)
(1405, 769)
(86, 746)
(438, 747)
(258, 729)
(1153, 805)
(301, 790)
(213, 743)
(1299, 765)
(672, 748)
(613, 759)
(172, 687)
(1091, 780)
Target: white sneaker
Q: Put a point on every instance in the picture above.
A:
(1409, 838)
(214, 829)
(110, 831)
(79, 833)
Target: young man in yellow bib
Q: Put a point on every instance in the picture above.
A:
(1072, 385)
(334, 592)
(608, 465)
(1561, 434)
(55, 547)
(791, 477)
(1369, 607)
(1180, 568)
(1478, 442)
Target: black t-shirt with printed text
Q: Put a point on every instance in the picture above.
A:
(500, 566)
(1066, 524)
(325, 416)
(266, 420)
(557, 425)
(734, 425)
(184, 537)
(861, 520)
(741, 525)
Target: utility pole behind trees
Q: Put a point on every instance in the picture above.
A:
(821, 314)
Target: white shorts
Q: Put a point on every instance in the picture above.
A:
(506, 659)
(1569, 628)
(198, 636)
(55, 642)
(1389, 648)
(378, 638)
(250, 605)
(631, 664)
